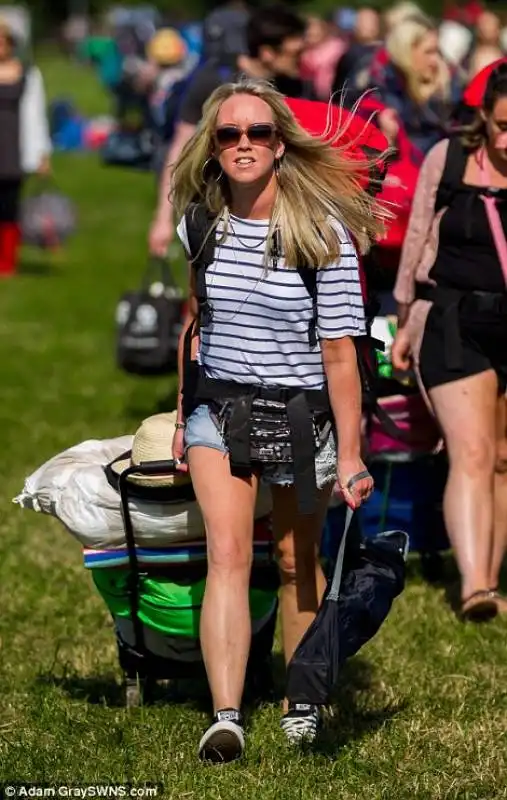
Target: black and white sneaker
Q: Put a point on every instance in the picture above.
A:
(225, 739)
(301, 723)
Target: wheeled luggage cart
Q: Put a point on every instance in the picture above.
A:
(146, 655)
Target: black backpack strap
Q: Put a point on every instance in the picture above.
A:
(201, 241)
(309, 277)
(452, 175)
(378, 169)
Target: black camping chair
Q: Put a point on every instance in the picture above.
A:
(366, 579)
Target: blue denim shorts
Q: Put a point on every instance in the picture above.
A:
(202, 431)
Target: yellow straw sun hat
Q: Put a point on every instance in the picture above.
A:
(152, 442)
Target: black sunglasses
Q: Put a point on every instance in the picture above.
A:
(260, 133)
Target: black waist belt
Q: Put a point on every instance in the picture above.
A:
(455, 304)
(299, 402)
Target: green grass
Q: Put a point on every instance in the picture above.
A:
(70, 78)
(420, 714)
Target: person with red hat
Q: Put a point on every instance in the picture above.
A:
(474, 92)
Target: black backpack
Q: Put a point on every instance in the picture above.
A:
(148, 323)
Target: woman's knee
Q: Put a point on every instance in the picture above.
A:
(295, 563)
(229, 551)
(474, 456)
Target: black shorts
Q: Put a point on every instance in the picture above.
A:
(482, 349)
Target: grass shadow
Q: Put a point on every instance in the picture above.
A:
(101, 690)
(351, 721)
(105, 690)
(436, 568)
(189, 691)
(41, 269)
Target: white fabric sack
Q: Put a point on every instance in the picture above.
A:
(73, 487)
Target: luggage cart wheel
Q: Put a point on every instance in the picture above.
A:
(134, 691)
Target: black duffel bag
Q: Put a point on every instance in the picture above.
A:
(148, 323)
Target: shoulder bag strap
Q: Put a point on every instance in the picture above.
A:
(157, 269)
(334, 591)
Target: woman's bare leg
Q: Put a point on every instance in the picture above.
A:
(227, 504)
(302, 580)
(466, 410)
(500, 495)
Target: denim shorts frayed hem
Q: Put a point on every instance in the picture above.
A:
(202, 431)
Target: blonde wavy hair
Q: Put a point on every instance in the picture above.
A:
(317, 183)
(400, 12)
(400, 42)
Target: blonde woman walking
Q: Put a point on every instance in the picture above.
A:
(274, 359)
(416, 82)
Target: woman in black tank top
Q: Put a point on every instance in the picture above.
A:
(463, 354)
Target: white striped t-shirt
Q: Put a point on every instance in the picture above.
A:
(259, 328)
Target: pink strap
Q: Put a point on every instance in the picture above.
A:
(495, 222)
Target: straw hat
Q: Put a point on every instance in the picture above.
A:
(167, 48)
(153, 442)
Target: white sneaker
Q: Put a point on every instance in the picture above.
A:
(225, 739)
(301, 723)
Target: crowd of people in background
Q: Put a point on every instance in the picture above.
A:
(407, 73)
(417, 67)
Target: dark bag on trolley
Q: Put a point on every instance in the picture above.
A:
(148, 323)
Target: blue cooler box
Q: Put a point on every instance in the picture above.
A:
(407, 496)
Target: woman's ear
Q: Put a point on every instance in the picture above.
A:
(280, 149)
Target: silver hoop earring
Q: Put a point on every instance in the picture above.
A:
(209, 162)
(204, 167)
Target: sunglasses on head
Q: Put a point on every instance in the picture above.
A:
(260, 133)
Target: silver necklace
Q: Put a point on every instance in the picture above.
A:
(261, 240)
(229, 317)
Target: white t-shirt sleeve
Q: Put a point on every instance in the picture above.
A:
(339, 295)
(181, 230)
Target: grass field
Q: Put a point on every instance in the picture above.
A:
(420, 714)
